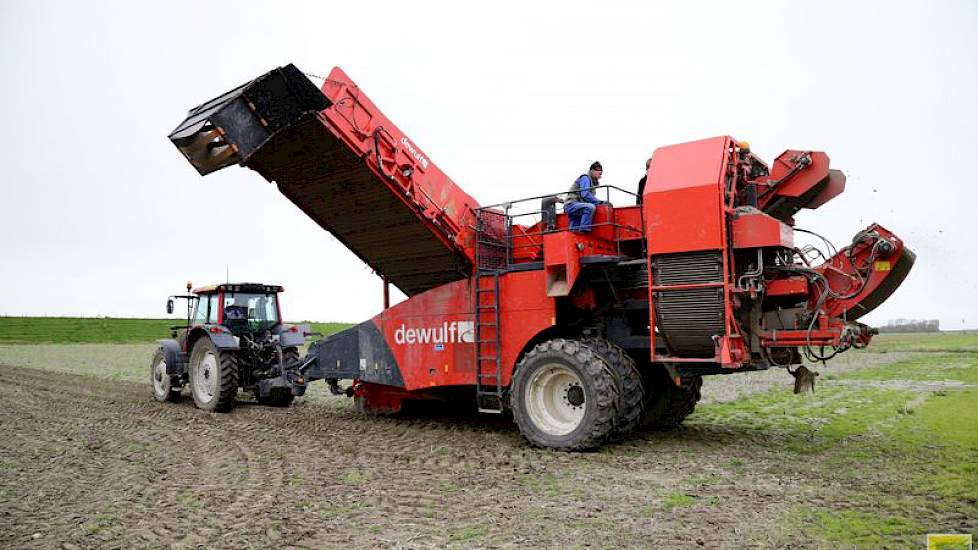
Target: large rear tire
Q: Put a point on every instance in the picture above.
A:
(631, 391)
(213, 376)
(164, 390)
(564, 396)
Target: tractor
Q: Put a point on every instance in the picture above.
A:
(233, 339)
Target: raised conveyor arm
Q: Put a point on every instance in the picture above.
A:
(344, 164)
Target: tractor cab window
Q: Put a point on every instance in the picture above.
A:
(200, 313)
(212, 309)
(256, 311)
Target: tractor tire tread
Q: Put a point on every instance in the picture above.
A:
(172, 396)
(227, 390)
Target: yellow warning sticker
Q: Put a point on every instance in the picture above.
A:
(881, 266)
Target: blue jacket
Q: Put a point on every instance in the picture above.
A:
(581, 191)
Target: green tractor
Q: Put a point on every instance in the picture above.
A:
(234, 339)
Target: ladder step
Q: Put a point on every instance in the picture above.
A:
(488, 357)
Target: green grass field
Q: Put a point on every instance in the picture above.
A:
(86, 330)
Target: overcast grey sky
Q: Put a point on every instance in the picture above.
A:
(101, 215)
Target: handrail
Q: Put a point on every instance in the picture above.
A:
(509, 204)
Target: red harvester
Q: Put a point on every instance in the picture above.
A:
(583, 336)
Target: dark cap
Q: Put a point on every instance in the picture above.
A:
(596, 166)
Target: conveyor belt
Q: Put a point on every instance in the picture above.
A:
(334, 187)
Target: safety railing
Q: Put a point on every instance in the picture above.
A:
(511, 233)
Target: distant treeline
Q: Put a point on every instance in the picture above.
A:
(912, 325)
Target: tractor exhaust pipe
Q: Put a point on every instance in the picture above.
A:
(231, 127)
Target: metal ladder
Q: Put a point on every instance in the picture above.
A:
(491, 257)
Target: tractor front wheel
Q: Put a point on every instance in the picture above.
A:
(163, 387)
(564, 396)
(213, 376)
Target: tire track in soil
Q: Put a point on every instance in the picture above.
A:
(327, 476)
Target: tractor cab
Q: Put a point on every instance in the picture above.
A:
(242, 308)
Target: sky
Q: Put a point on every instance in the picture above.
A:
(101, 215)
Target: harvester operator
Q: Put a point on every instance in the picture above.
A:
(641, 182)
(581, 201)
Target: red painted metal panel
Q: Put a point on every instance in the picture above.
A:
(682, 203)
(791, 286)
(361, 124)
(756, 230)
(432, 333)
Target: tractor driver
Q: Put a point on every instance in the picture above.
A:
(581, 201)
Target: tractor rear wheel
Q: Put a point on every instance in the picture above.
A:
(281, 397)
(564, 396)
(213, 376)
(667, 405)
(631, 391)
(163, 387)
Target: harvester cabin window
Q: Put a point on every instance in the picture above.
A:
(200, 314)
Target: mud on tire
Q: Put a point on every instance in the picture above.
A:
(564, 396)
(213, 376)
(628, 380)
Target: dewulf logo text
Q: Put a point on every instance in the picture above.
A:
(414, 152)
(448, 333)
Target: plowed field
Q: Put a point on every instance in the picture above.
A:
(92, 462)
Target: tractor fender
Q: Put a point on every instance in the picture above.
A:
(221, 338)
(289, 339)
(176, 360)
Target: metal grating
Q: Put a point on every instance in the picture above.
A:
(689, 319)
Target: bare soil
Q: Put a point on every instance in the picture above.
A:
(87, 462)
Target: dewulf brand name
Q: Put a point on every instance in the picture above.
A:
(447, 333)
(414, 152)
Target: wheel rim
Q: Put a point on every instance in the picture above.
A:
(161, 381)
(205, 377)
(555, 399)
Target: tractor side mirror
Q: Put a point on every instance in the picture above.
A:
(169, 306)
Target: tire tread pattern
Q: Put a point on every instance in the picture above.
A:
(631, 390)
(598, 373)
(227, 389)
